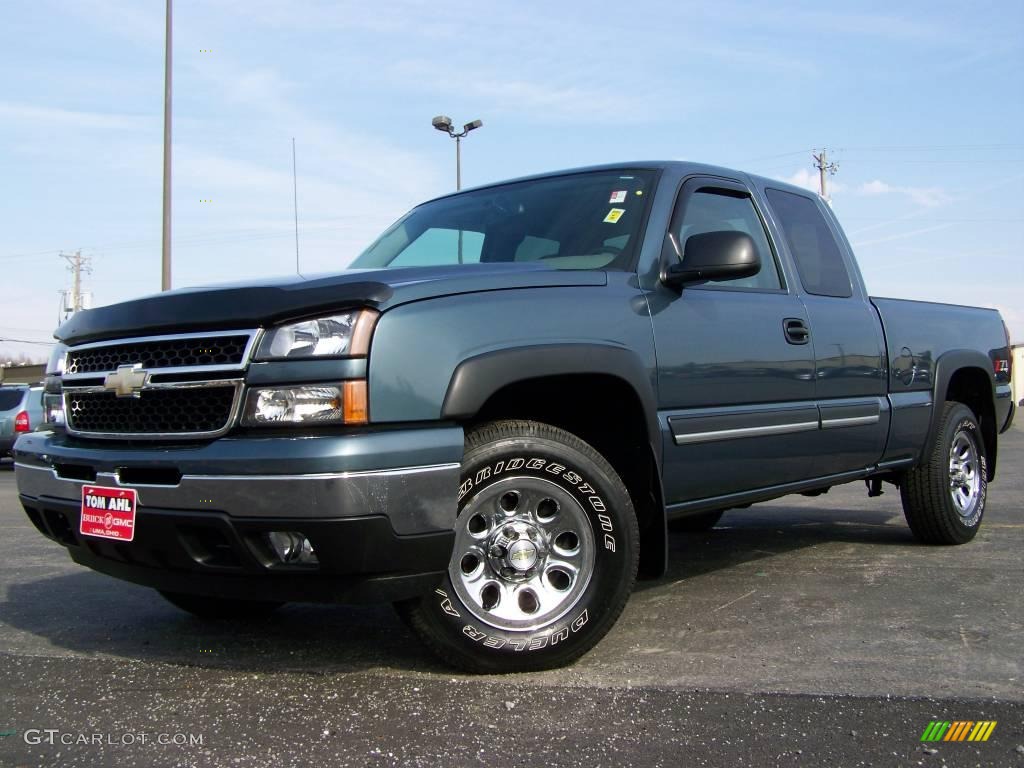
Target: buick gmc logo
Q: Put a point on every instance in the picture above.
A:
(127, 380)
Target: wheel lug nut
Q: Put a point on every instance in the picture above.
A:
(508, 573)
(510, 533)
(496, 551)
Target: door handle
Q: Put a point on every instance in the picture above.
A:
(796, 330)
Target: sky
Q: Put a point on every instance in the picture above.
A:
(920, 103)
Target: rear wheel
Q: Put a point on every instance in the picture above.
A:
(546, 553)
(220, 607)
(944, 497)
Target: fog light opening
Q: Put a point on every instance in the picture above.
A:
(291, 548)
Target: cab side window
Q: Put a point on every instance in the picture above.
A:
(712, 211)
(814, 249)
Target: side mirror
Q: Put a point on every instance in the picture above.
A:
(713, 256)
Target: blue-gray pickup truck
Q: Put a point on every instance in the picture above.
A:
(495, 416)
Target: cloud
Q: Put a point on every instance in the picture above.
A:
(804, 178)
(810, 180)
(874, 188)
(567, 98)
(39, 115)
(926, 197)
(901, 235)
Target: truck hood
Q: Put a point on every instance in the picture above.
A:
(254, 304)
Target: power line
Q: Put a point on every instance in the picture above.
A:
(774, 157)
(956, 221)
(295, 200)
(933, 147)
(26, 341)
(209, 237)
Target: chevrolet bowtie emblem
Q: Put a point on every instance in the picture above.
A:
(127, 381)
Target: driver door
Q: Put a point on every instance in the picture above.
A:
(735, 372)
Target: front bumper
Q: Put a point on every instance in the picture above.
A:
(378, 508)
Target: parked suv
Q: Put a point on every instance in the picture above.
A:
(21, 410)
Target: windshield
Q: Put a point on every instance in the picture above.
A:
(580, 221)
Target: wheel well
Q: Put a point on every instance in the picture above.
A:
(606, 412)
(973, 388)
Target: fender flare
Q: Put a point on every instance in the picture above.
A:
(946, 366)
(477, 378)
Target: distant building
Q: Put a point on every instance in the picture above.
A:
(22, 374)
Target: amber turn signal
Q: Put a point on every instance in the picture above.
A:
(355, 407)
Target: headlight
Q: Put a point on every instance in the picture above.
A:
(342, 335)
(343, 403)
(56, 365)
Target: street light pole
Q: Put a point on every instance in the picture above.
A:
(165, 260)
(444, 123)
(458, 162)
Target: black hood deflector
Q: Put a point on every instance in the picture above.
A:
(213, 309)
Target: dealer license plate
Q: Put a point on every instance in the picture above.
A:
(108, 513)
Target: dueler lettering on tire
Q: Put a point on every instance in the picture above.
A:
(552, 468)
(545, 554)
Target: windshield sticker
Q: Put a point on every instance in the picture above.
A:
(619, 196)
(614, 215)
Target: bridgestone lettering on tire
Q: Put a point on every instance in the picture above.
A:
(944, 497)
(545, 556)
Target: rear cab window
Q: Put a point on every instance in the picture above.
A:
(819, 260)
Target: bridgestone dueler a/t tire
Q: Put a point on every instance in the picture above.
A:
(494, 453)
(925, 491)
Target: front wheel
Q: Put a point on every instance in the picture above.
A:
(546, 553)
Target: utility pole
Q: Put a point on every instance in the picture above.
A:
(77, 264)
(165, 259)
(825, 169)
(295, 201)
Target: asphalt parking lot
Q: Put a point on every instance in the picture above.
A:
(807, 631)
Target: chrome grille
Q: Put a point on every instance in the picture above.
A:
(182, 352)
(172, 411)
(186, 385)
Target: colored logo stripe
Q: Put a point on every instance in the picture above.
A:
(958, 730)
(982, 731)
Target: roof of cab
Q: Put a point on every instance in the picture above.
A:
(685, 167)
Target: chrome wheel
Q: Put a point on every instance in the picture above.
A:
(964, 474)
(524, 554)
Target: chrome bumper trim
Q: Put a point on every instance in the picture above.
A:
(416, 499)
